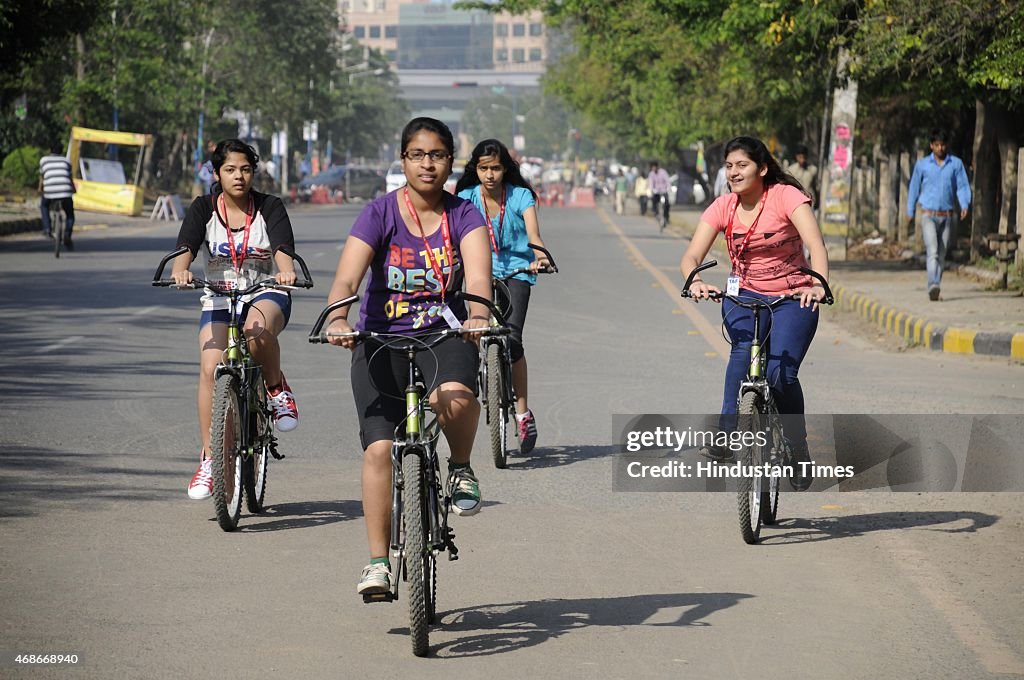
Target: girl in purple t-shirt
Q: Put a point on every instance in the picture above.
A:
(420, 244)
(767, 222)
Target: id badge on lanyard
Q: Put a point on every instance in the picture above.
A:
(235, 278)
(732, 286)
(435, 265)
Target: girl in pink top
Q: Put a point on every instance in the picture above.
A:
(767, 222)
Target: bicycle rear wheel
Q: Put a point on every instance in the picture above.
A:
(418, 563)
(752, 488)
(497, 411)
(226, 453)
(57, 226)
(770, 497)
(255, 469)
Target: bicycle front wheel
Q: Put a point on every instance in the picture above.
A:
(418, 566)
(497, 410)
(751, 488)
(226, 453)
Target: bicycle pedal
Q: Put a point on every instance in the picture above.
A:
(371, 598)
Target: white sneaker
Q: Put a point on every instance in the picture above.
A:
(201, 485)
(376, 578)
(286, 413)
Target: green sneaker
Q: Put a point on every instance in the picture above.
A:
(375, 579)
(465, 490)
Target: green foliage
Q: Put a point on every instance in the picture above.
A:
(21, 166)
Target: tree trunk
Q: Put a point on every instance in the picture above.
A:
(986, 178)
(80, 76)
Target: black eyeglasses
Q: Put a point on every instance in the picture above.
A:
(417, 155)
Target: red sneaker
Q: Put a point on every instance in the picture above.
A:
(282, 403)
(201, 485)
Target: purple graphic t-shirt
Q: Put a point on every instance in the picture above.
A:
(403, 294)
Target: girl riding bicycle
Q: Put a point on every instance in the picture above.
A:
(241, 233)
(419, 244)
(493, 182)
(767, 221)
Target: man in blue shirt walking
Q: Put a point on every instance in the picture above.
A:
(938, 179)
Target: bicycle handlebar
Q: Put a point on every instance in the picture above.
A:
(317, 336)
(827, 300)
(550, 268)
(220, 288)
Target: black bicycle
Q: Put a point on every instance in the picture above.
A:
(419, 503)
(58, 223)
(242, 431)
(758, 417)
(495, 377)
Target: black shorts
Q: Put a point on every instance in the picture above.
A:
(519, 292)
(380, 376)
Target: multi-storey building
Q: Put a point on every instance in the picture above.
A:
(445, 57)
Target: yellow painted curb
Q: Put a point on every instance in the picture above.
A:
(1017, 346)
(958, 340)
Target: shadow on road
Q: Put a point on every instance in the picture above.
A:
(809, 530)
(557, 456)
(302, 515)
(500, 628)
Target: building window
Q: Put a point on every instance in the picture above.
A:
(519, 55)
(392, 55)
(536, 29)
(359, 31)
(501, 55)
(518, 30)
(375, 31)
(501, 30)
(535, 54)
(391, 31)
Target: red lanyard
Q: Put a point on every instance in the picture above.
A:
(238, 258)
(750, 232)
(501, 216)
(435, 264)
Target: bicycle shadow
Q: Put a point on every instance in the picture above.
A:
(557, 456)
(502, 628)
(814, 529)
(301, 515)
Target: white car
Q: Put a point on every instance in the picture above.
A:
(395, 178)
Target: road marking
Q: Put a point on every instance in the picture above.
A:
(147, 310)
(58, 345)
(712, 335)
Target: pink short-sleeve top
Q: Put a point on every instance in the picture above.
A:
(769, 260)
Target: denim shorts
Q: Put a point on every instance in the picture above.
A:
(223, 316)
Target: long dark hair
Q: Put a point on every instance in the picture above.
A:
(430, 125)
(492, 147)
(756, 150)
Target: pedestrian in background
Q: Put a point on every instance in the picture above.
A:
(620, 192)
(56, 186)
(659, 183)
(721, 183)
(804, 172)
(939, 179)
(642, 191)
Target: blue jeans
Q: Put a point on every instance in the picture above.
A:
(69, 211)
(936, 232)
(792, 328)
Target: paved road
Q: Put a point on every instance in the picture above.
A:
(104, 555)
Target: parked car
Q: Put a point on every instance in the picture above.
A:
(453, 179)
(363, 182)
(395, 178)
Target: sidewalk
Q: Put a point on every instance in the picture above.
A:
(23, 218)
(969, 318)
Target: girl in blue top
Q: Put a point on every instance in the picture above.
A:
(493, 182)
